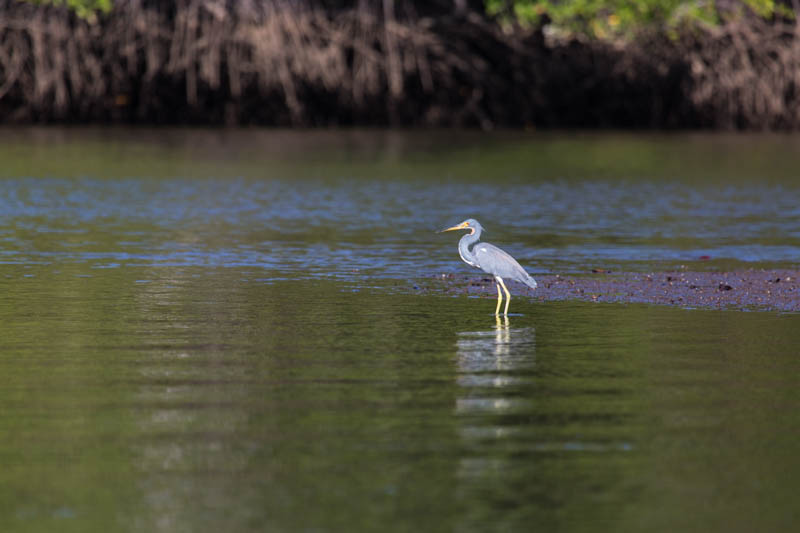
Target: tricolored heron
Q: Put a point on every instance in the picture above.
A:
(490, 259)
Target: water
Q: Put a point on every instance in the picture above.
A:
(367, 203)
(220, 331)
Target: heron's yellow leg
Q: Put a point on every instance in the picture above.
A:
(503, 324)
(499, 299)
(508, 296)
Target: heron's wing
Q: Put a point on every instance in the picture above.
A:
(495, 261)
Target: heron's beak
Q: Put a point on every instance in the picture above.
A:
(463, 225)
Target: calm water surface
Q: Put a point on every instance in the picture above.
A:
(220, 331)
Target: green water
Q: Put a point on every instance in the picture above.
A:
(206, 344)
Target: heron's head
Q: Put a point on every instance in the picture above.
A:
(470, 224)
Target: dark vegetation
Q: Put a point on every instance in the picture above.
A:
(396, 62)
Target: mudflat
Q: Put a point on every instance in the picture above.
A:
(742, 289)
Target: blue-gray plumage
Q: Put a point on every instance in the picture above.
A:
(490, 259)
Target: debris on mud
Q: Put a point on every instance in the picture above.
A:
(752, 289)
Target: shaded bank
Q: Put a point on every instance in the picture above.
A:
(749, 289)
(381, 63)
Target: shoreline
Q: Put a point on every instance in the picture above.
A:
(765, 290)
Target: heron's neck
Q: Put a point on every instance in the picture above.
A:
(464, 246)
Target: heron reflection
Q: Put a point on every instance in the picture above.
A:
(493, 366)
(493, 358)
(490, 361)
